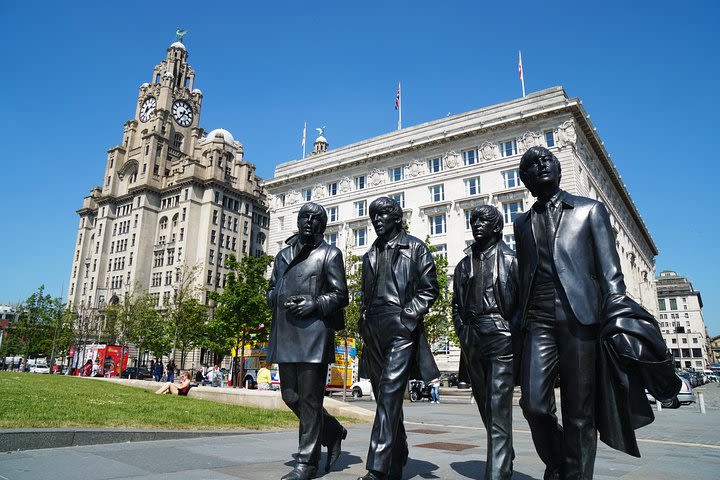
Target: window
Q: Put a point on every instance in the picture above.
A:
(360, 208)
(437, 224)
(437, 193)
(435, 165)
(440, 250)
(331, 238)
(211, 259)
(511, 178)
(332, 189)
(661, 304)
(472, 186)
(332, 214)
(395, 174)
(307, 194)
(512, 210)
(399, 197)
(360, 236)
(215, 217)
(468, 214)
(508, 148)
(360, 182)
(673, 304)
(695, 340)
(178, 140)
(549, 138)
(510, 240)
(209, 277)
(469, 157)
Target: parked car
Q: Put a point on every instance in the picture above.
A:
(39, 369)
(360, 388)
(684, 397)
(141, 373)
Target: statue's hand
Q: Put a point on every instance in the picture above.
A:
(301, 305)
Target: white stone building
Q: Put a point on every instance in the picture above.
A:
(681, 321)
(171, 196)
(440, 170)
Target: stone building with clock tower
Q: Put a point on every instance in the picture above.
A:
(173, 200)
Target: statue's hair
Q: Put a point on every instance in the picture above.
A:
(386, 205)
(532, 154)
(488, 212)
(315, 209)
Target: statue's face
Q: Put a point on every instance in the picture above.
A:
(385, 224)
(482, 228)
(543, 173)
(309, 223)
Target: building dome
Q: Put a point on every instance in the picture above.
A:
(321, 139)
(197, 90)
(178, 45)
(220, 134)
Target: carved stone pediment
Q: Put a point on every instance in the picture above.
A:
(318, 191)
(345, 185)
(509, 196)
(435, 208)
(358, 222)
(471, 202)
(376, 177)
(488, 151)
(292, 197)
(566, 134)
(530, 139)
(451, 159)
(416, 168)
(333, 227)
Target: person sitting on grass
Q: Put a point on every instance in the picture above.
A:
(173, 389)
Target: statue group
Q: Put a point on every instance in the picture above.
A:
(556, 307)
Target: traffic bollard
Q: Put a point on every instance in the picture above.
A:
(701, 401)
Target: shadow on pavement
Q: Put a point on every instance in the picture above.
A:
(475, 469)
(419, 468)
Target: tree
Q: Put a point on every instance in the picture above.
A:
(144, 326)
(40, 318)
(438, 321)
(242, 314)
(185, 318)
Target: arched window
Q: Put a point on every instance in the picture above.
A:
(163, 223)
(178, 140)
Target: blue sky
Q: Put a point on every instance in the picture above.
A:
(647, 72)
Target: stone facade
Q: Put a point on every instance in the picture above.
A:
(440, 170)
(173, 199)
(681, 321)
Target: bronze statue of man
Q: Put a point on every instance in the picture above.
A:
(484, 303)
(399, 286)
(307, 294)
(568, 265)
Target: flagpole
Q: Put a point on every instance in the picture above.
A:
(520, 70)
(399, 107)
(303, 139)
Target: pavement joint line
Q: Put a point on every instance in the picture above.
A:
(679, 444)
(643, 440)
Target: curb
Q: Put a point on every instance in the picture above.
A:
(37, 438)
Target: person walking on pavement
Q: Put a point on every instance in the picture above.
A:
(484, 302)
(307, 293)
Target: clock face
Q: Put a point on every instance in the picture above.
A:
(147, 109)
(182, 113)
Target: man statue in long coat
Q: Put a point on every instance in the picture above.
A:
(307, 294)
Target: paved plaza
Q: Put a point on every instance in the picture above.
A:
(447, 442)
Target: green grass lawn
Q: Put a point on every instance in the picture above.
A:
(50, 401)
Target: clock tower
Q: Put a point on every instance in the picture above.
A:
(174, 202)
